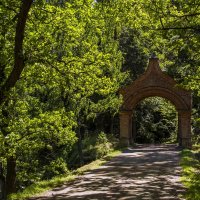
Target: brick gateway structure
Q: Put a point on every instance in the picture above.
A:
(155, 83)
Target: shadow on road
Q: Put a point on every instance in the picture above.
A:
(141, 173)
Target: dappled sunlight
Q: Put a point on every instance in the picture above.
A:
(141, 173)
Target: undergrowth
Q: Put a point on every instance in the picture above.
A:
(42, 186)
(190, 163)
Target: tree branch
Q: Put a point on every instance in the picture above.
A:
(179, 28)
(18, 50)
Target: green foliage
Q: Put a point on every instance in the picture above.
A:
(50, 137)
(103, 145)
(190, 163)
(94, 146)
(71, 57)
(56, 167)
(196, 130)
(156, 121)
(133, 52)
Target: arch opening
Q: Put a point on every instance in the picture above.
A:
(155, 121)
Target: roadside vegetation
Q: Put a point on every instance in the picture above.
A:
(101, 152)
(190, 163)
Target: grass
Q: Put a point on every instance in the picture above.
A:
(42, 186)
(190, 163)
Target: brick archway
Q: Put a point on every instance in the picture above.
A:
(152, 83)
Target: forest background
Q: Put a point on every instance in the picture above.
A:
(62, 64)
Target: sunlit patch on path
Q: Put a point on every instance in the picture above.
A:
(145, 172)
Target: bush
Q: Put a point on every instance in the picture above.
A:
(94, 146)
(103, 145)
(55, 168)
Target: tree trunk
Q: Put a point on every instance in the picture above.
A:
(11, 176)
(79, 143)
(111, 124)
(18, 50)
(2, 183)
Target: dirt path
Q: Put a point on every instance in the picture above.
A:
(140, 173)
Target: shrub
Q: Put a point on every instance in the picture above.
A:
(103, 145)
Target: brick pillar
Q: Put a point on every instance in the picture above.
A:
(134, 130)
(184, 128)
(126, 128)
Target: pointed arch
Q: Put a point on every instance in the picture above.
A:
(152, 83)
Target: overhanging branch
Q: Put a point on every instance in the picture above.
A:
(18, 50)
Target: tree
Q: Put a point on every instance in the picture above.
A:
(66, 67)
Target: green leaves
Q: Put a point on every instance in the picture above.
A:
(72, 73)
(73, 54)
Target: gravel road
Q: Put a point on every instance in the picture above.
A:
(145, 172)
